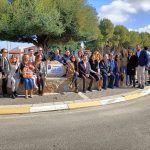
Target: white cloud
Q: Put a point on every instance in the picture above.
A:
(144, 29)
(120, 11)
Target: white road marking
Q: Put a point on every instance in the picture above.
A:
(83, 96)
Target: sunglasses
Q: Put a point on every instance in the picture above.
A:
(5, 52)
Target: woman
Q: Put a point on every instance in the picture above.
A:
(26, 70)
(79, 56)
(117, 71)
(13, 77)
(95, 70)
(131, 67)
(123, 62)
(40, 70)
(72, 72)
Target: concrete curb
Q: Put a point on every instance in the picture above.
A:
(68, 105)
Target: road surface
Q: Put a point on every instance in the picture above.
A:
(122, 126)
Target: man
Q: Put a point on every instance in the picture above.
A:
(66, 57)
(57, 56)
(114, 74)
(147, 70)
(84, 73)
(142, 62)
(5, 69)
(40, 52)
(104, 67)
(31, 55)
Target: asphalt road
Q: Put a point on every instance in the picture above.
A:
(122, 126)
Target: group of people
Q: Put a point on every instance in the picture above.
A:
(108, 70)
(31, 71)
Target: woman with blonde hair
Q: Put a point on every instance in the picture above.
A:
(95, 70)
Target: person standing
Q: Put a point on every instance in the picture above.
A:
(5, 69)
(131, 67)
(123, 64)
(40, 71)
(84, 73)
(31, 55)
(142, 61)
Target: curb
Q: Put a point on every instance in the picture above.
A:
(68, 105)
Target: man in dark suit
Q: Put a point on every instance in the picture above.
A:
(84, 72)
(142, 61)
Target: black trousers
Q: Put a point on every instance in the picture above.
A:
(84, 81)
(4, 86)
(132, 80)
(40, 84)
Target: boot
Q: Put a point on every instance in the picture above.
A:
(13, 95)
(76, 90)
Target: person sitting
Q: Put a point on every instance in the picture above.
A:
(40, 70)
(114, 75)
(13, 76)
(66, 57)
(84, 72)
(26, 70)
(72, 72)
(95, 72)
(105, 70)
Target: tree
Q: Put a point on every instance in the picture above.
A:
(44, 22)
(121, 36)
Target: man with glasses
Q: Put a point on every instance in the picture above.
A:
(40, 52)
(5, 68)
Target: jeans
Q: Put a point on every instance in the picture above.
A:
(105, 81)
(28, 83)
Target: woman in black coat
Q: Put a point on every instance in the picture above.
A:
(94, 70)
(131, 67)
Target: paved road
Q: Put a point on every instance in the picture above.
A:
(122, 126)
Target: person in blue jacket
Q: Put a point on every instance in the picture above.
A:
(114, 75)
(142, 62)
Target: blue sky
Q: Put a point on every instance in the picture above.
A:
(134, 14)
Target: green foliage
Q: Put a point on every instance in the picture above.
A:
(44, 22)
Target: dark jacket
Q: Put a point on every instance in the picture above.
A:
(104, 67)
(94, 65)
(82, 69)
(5, 66)
(131, 65)
(142, 60)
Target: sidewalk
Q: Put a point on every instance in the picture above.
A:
(69, 100)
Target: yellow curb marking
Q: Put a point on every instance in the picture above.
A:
(14, 110)
(83, 104)
(133, 96)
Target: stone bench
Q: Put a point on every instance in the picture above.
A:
(57, 85)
